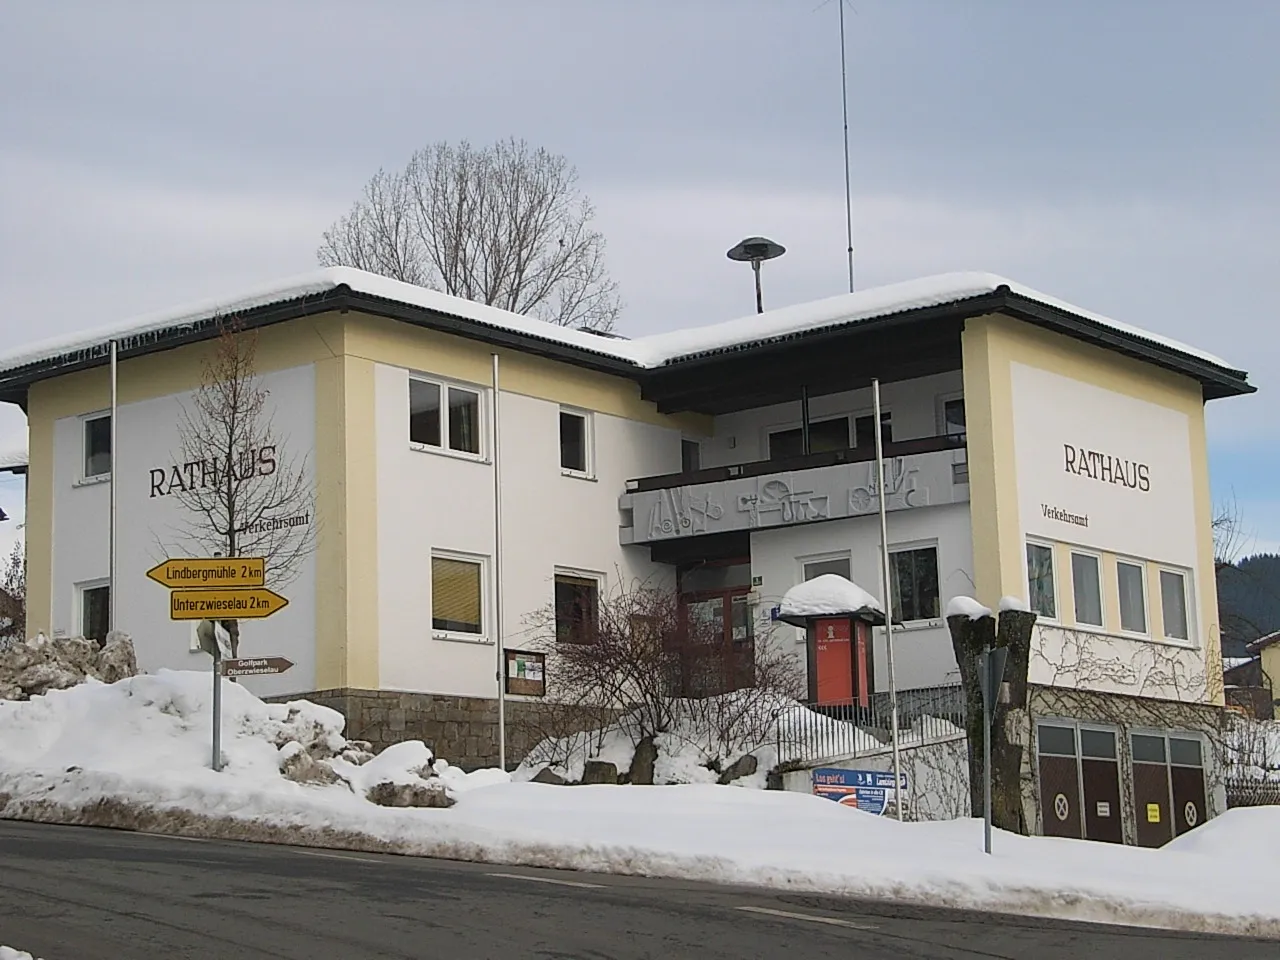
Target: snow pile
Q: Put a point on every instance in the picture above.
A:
(158, 729)
(29, 668)
(1015, 604)
(824, 596)
(966, 607)
(8, 953)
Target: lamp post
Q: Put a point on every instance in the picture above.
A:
(756, 250)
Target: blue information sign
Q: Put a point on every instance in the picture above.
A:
(868, 790)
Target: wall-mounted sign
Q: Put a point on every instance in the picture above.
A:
(526, 673)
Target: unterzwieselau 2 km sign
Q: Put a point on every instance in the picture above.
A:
(244, 603)
(210, 572)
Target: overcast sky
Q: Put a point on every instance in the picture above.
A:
(1122, 156)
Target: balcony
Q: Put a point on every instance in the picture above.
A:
(835, 485)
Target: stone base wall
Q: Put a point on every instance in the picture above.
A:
(462, 730)
(1126, 715)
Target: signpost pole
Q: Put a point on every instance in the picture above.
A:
(985, 667)
(888, 599)
(217, 703)
(113, 594)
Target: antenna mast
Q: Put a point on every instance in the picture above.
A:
(844, 100)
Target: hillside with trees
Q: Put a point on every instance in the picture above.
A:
(1248, 600)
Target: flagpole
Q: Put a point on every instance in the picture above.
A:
(500, 652)
(113, 595)
(888, 597)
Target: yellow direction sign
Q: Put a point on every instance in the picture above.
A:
(210, 572)
(233, 604)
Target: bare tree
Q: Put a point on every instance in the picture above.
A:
(642, 664)
(243, 493)
(13, 596)
(504, 225)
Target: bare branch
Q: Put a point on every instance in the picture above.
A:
(504, 225)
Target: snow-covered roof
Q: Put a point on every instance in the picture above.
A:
(827, 595)
(643, 352)
(1230, 663)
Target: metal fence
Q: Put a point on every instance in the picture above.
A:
(1250, 792)
(847, 729)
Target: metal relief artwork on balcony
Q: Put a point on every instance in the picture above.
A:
(787, 498)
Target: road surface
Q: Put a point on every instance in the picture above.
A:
(75, 893)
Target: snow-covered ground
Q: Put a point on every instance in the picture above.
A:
(136, 753)
(9, 953)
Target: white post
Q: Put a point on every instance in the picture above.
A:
(888, 597)
(987, 694)
(497, 575)
(217, 701)
(113, 595)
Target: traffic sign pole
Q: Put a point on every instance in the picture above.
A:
(990, 675)
(217, 708)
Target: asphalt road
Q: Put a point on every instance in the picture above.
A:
(74, 893)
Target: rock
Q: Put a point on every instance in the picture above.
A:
(547, 775)
(40, 678)
(387, 794)
(117, 660)
(599, 771)
(75, 653)
(642, 762)
(742, 767)
(301, 767)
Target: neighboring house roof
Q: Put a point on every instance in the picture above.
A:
(1257, 646)
(346, 288)
(1230, 663)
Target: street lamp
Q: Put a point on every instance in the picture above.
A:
(756, 250)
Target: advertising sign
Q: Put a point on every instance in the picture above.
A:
(834, 660)
(868, 790)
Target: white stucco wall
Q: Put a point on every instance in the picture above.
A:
(149, 530)
(1149, 517)
(433, 501)
(922, 652)
(914, 405)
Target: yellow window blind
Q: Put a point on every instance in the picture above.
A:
(455, 595)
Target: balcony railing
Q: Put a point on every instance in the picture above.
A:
(759, 468)
(837, 485)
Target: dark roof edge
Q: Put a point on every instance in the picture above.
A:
(14, 384)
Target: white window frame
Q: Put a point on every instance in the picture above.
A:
(1145, 634)
(1057, 587)
(482, 415)
(1188, 606)
(486, 592)
(885, 411)
(905, 547)
(1102, 592)
(588, 443)
(88, 478)
(941, 410)
(802, 562)
(77, 615)
(581, 574)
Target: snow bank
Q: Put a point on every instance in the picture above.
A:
(966, 607)
(8, 953)
(135, 753)
(824, 595)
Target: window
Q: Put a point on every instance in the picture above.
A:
(97, 447)
(574, 442)
(577, 608)
(1056, 741)
(690, 456)
(953, 418)
(1087, 581)
(458, 431)
(864, 430)
(1040, 589)
(836, 565)
(1130, 578)
(913, 579)
(95, 612)
(824, 436)
(1173, 601)
(456, 595)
